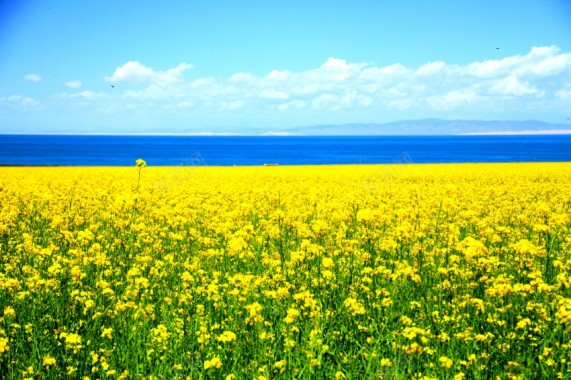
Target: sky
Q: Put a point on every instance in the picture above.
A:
(257, 66)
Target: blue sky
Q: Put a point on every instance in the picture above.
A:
(242, 66)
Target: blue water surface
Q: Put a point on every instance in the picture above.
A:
(282, 150)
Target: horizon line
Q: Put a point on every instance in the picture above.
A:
(288, 134)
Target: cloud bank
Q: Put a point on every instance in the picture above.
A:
(542, 75)
(536, 85)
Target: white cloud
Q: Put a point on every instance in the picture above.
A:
(203, 82)
(452, 99)
(374, 73)
(242, 78)
(134, 72)
(292, 104)
(278, 75)
(552, 65)
(33, 78)
(511, 85)
(334, 70)
(19, 101)
(431, 68)
(82, 95)
(326, 101)
(87, 95)
(540, 62)
(73, 84)
(273, 94)
(131, 72)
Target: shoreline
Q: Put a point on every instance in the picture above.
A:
(274, 165)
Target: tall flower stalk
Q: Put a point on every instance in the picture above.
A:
(140, 163)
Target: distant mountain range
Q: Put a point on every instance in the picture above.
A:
(435, 127)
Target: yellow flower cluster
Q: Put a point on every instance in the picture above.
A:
(436, 271)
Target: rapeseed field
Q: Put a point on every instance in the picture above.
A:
(456, 271)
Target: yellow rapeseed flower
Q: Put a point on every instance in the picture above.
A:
(215, 362)
(9, 312)
(48, 361)
(386, 362)
(445, 362)
(3, 345)
(107, 332)
(226, 336)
